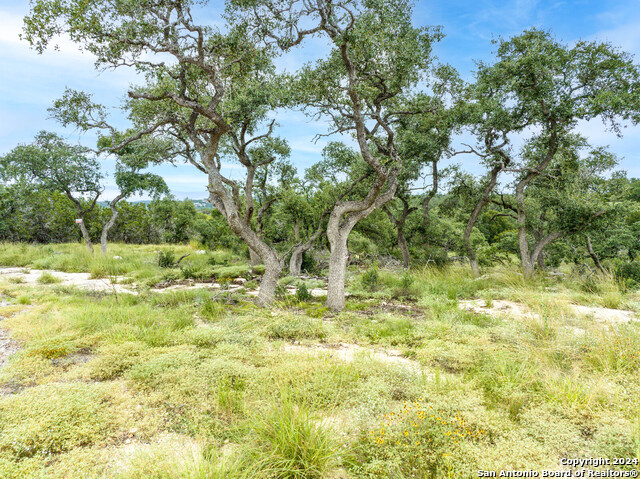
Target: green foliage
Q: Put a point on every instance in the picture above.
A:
(166, 259)
(392, 330)
(53, 165)
(361, 245)
(213, 310)
(370, 279)
(629, 272)
(303, 294)
(309, 263)
(231, 272)
(407, 287)
(430, 255)
(114, 360)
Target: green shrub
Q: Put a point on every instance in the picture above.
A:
(430, 255)
(223, 258)
(231, 272)
(281, 292)
(24, 299)
(360, 245)
(309, 263)
(370, 279)
(630, 273)
(417, 441)
(406, 287)
(303, 294)
(166, 259)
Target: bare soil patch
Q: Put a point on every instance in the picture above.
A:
(521, 311)
(7, 345)
(80, 280)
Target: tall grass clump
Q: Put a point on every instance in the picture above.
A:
(452, 282)
(48, 278)
(292, 443)
(617, 352)
(509, 381)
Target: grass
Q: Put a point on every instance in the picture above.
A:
(404, 383)
(48, 278)
(292, 442)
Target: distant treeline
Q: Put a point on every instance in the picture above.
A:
(49, 217)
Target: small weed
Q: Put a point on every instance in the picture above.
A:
(24, 299)
(303, 294)
(48, 278)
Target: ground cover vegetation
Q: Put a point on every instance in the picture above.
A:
(431, 322)
(426, 373)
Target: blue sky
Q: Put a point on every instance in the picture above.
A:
(30, 82)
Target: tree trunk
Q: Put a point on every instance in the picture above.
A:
(269, 282)
(475, 214)
(528, 261)
(255, 259)
(105, 232)
(466, 240)
(399, 224)
(110, 223)
(224, 202)
(523, 243)
(82, 212)
(295, 263)
(296, 230)
(471, 254)
(343, 218)
(337, 271)
(85, 235)
(594, 257)
(402, 244)
(429, 196)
